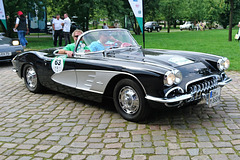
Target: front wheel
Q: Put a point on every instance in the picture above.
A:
(31, 79)
(158, 30)
(129, 100)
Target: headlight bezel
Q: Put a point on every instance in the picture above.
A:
(172, 77)
(15, 42)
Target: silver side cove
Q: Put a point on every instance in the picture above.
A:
(88, 80)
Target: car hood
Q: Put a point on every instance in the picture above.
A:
(189, 63)
(168, 60)
(5, 41)
(161, 61)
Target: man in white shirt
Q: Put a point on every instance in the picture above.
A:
(57, 27)
(66, 29)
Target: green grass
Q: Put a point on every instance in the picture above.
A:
(39, 43)
(209, 41)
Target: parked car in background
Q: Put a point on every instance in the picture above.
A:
(74, 26)
(152, 26)
(49, 28)
(9, 48)
(187, 26)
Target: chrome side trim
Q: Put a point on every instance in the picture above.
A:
(169, 100)
(224, 82)
(199, 79)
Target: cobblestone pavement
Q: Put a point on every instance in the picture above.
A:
(56, 126)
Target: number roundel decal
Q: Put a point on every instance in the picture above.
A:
(57, 64)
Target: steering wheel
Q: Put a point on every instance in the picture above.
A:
(56, 51)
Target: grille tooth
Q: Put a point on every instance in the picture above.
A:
(199, 91)
(206, 86)
(209, 85)
(203, 88)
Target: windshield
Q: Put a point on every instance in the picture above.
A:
(148, 23)
(105, 39)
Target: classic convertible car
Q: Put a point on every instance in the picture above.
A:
(110, 63)
(9, 48)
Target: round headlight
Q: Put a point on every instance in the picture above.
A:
(178, 76)
(226, 63)
(15, 42)
(169, 78)
(223, 64)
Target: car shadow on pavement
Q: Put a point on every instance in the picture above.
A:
(178, 117)
(5, 64)
(167, 116)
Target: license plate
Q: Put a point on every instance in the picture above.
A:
(4, 54)
(214, 97)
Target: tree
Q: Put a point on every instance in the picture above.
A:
(224, 12)
(11, 8)
(170, 10)
(230, 21)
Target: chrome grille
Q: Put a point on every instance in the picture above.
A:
(197, 89)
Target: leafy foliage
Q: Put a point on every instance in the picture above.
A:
(11, 8)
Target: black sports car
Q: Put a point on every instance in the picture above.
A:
(9, 48)
(110, 63)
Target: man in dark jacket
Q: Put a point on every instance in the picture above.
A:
(21, 27)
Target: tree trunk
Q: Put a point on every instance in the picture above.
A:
(175, 24)
(169, 25)
(230, 21)
(10, 26)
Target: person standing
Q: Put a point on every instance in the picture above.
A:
(66, 29)
(57, 27)
(22, 27)
(105, 26)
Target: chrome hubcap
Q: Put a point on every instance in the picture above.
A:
(31, 77)
(128, 100)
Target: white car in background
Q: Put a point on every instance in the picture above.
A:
(187, 26)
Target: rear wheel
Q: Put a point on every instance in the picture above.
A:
(31, 79)
(129, 100)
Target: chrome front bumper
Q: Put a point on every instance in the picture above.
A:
(182, 97)
(169, 100)
(223, 83)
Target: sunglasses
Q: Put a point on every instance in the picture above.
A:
(76, 36)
